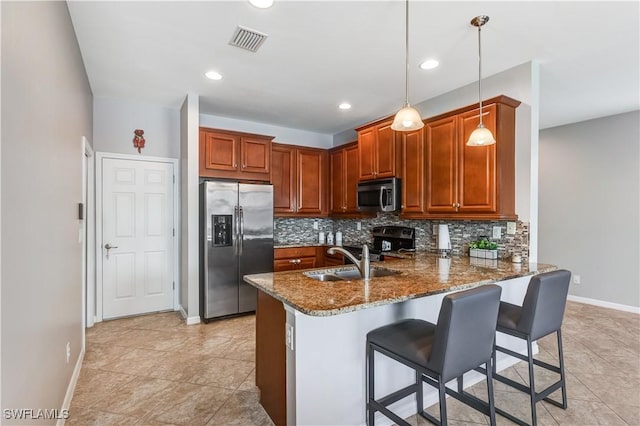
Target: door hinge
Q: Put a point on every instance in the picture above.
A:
(174, 232)
(174, 285)
(174, 178)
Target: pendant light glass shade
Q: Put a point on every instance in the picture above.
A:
(481, 136)
(407, 118)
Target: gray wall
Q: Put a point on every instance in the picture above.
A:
(282, 134)
(115, 120)
(46, 109)
(589, 205)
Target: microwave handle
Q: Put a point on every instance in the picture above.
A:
(382, 193)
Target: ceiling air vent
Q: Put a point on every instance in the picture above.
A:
(247, 38)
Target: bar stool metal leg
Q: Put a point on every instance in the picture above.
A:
(370, 386)
(532, 386)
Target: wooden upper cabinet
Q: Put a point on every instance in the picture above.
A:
(256, 156)
(336, 175)
(471, 182)
(344, 176)
(234, 155)
(312, 186)
(477, 175)
(378, 151)
(413, 172)
(300, 180)
(385, 151)
(367, 153)
(351, 156)
(442, 165)
(218, 151)
(283, 177)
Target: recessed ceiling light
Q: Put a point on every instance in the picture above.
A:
(214, 75)
(261, 4)
(344, 105)
(429, 64)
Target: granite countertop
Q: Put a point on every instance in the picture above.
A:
(422, 274)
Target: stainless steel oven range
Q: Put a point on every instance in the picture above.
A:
(386, 239)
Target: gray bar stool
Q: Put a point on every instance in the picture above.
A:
(461, 341)
(541, 314)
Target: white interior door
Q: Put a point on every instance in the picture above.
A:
(137, 237)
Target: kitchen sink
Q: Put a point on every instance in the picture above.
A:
(342, 274)
(325, 277)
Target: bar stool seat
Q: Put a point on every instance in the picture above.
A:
(461, 341)
(541, 314)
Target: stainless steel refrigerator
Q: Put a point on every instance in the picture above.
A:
(236, 228)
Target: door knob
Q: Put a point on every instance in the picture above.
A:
(109, 247)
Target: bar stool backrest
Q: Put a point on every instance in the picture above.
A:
(465, 331)
(544, 303)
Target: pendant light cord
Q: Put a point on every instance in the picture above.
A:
(406, 53)
(480, 72)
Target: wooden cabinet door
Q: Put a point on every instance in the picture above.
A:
(351, 159)
(367, 148)
(283, 178)
(307, 262)
(311, 166)
(441, 146)
(219, 151)
(477, 174)
(413, 162)
(256, 155)
(336, 174)
(385, 150)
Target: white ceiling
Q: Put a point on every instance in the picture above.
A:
(320, 53)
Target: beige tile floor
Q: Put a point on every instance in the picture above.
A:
(153, 370)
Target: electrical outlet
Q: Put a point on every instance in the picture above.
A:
(497, 232)
(288, 336)
(576, 279)
(68, 351)
(315, 224)
(359, 226)
(511, 228)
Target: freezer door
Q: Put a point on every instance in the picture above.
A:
(256, 238)
(220, 281)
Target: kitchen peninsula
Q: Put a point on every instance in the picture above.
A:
(321, 356)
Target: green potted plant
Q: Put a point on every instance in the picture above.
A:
(483, 248)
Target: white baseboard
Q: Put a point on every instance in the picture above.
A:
(603, 304)
(189, 320)
(66, 404)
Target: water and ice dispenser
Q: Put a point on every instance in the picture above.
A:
(222, 228)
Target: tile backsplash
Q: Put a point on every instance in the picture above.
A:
(300, 231)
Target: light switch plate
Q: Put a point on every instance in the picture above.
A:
(359, 226)
(511, 228)
(315, 224)
(497, 232)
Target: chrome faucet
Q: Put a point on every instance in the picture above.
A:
(363, 265)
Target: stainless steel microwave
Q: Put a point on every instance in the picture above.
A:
(380, 195)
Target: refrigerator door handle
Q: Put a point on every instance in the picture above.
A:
(241, 238)
(236, 232)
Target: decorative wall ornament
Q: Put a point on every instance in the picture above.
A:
(138, 139)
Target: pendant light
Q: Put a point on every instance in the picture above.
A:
(481, 136)
(407, 118)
